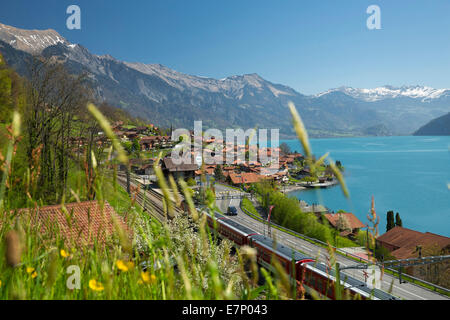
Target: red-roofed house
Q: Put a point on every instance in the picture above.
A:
(402, 242)
(353, 222)
(79, 224)
(245, 178)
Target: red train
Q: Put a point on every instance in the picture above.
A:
(315, 277)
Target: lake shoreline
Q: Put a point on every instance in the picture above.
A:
(406, 174)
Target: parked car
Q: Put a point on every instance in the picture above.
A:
(231, 211)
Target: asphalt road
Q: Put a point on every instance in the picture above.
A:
(405, 291)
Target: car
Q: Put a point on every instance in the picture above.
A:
(231, 211)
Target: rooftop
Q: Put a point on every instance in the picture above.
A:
(353, 221)
(81, 223)
(405, 241)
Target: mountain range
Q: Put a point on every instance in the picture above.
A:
(168, 97)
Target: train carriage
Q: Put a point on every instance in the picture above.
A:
(289, 258)
(230, 229)
(315, 278)
(320, 279)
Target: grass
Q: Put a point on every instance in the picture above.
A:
(249, 207)
(39, 265)
(208, 272)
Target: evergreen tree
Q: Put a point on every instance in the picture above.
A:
(285, 149)
(218, 173)
(390, 220)
(398, 220)
(136, 146)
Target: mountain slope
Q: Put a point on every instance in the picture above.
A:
(436, 127)
(30, 41)
(167, 97)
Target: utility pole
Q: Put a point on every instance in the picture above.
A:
(337, 286)
(269, 233)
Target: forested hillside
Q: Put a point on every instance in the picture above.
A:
(437, 127)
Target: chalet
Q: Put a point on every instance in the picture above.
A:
(132, 134)
(402, 242)
(142, 130)
(145, 169)
(208, 169)
(183, 171)
(305, 172)
(245, 178)
(150, 142)
(317, 209)
(147, 143)
(353, 222)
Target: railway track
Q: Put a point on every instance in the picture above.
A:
(150, 200)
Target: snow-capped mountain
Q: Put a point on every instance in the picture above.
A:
(423, 93)
(30, 41)
(168, 97)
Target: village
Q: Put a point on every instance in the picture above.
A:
(279, 168)
(290, 173)
(288, 170)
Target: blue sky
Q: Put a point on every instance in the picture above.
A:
(309, 45)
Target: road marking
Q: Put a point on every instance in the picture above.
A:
(409, 292)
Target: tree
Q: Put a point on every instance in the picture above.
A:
(191, 182)
(398, 220)
(218, 173)
(136, 145)
(285, 148)
(55, 100)
(128, 146)
(342, 224)
(390, 220)
(309, 180)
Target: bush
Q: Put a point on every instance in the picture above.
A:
(191, 182)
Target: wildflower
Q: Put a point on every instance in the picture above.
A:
(64, 253)
(124, 266)
(30, 269)
(147, 278)
(34, 275)
(0, 283)
(95, 285)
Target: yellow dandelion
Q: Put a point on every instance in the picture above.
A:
(64, 253)
(0, 283)
(30, 269)
(124, 266)
(34, 275)
(95, 285)
(147, 278)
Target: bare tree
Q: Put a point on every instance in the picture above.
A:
(56, 99)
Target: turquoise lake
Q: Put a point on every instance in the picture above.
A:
(408, 175)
